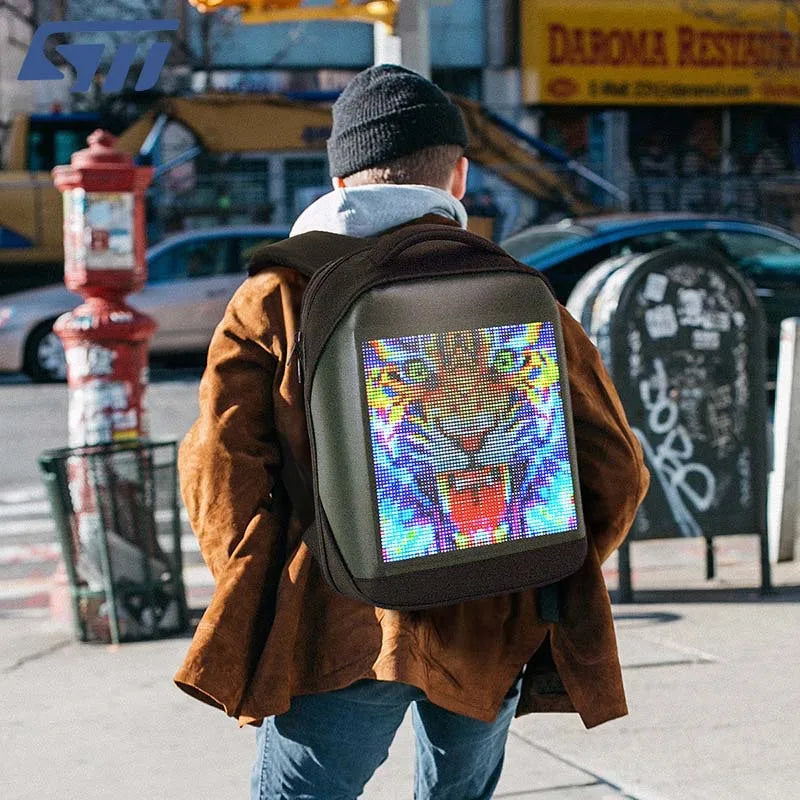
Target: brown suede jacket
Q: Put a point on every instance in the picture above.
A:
(274, 629)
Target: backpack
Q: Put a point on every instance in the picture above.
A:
(438, 411)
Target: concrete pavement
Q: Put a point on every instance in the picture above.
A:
(710, 670)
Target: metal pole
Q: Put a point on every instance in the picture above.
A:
(386, 45)
(560, 157)
(711, 567)
(409, 44)
(102, 543)
(54, 475)
(784, 488)
(624, 570)
(726, 161)
(411, 25)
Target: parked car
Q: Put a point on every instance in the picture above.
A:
(191, 277)
(769, 256)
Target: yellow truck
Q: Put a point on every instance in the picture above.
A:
(31, 251)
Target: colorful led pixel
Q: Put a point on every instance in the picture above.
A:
(468, 439)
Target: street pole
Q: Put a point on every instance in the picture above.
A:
(784, 486)
(409, 44)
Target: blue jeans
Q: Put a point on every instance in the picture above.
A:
(327, 746)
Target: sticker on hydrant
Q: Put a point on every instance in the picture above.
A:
(101, 411)
(90, 360)
(109, 230)
(98, 230)
(74, 248)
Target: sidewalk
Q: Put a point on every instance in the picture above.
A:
(710, 670)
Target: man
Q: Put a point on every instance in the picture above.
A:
(330, 676)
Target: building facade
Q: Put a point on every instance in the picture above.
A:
(693, 105)
(689, 105)
(16, 29)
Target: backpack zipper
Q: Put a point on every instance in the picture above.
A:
(297, 351)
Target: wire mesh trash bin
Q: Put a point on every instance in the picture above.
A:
(116, 511)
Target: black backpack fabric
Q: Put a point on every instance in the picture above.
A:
(438, 409)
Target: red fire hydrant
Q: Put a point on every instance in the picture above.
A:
(105, 339)
(106, 344)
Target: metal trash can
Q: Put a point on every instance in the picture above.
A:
(116, 512)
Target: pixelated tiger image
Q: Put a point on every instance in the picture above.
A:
(468, 437)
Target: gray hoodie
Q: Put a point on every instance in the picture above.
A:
(372, 208)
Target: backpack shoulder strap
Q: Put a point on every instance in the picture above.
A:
(306, 252)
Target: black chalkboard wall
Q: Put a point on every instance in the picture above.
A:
(683, 337)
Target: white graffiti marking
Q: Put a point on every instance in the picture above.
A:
(635, 353)
(745, 477)
(671, 459)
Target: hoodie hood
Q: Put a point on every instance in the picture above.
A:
(371, 209)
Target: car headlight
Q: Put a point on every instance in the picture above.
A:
(6, 313)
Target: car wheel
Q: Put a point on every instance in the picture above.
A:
(44, 355)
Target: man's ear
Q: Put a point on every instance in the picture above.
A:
(338, 183)
(458, 181)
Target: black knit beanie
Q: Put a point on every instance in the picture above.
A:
(386, 112)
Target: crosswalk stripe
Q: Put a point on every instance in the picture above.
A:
(30, 549)
(37, 525)
(32, 509)
(14, 595)
(29, 554)
(23, 494)
(36, 552)
(29, 527)
(15, 592)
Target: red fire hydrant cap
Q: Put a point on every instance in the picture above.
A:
(102, 149)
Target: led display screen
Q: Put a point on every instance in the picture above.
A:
(468, 439)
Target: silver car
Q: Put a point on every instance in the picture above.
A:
(191, 277)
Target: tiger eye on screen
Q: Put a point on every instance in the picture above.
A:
(468, 436)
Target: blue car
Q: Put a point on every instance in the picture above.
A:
(769, 256)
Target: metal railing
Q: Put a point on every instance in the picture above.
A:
(774, 199)
(264, 195)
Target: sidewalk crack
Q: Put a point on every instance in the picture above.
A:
(596, 779)
(559, 788)
(21, 662)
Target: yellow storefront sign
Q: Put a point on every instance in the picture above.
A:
(645, 52)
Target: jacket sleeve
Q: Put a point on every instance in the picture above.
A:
(230, 458)
(613, 476)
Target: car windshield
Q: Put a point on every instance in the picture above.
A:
(531, 243)
(158, 267)
(762, 254)
(755, 253)
(203, 257)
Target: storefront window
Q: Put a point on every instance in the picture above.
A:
(761, 140)
(676, 157)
